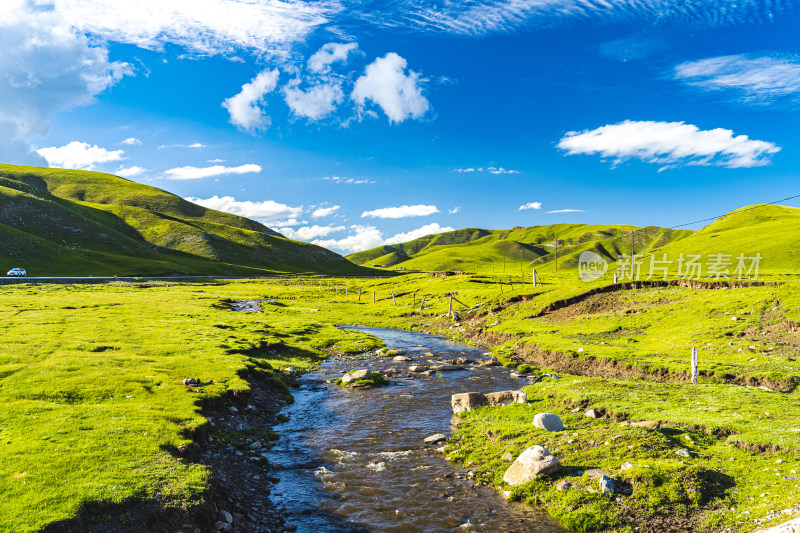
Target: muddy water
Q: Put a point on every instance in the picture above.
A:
(353, 461)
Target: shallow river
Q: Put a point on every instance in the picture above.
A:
(354, 460)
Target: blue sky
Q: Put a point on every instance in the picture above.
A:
(353, 124)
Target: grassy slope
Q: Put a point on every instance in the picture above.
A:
(474, 249)
(65, 222)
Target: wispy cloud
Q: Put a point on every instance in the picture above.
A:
(207, 27)
(330, 53)
(192, 145)
(79, 155)
(197, 173)
(348, 181)
(456, 209)
(669, 144)
(755, 80)
(567, 211)
(530, 205)
(131, 141)
(404, 211)
(477, 18)
(267, 212)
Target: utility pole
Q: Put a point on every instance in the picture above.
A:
(633, 254)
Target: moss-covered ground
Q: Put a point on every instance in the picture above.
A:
(93, 404)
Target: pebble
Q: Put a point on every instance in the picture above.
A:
(683, 452)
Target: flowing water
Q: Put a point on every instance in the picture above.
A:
(354, 460)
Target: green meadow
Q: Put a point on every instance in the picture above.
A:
(94, 413)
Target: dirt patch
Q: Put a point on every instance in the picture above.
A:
(634, 285)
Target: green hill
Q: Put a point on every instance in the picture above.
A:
(772, 231)
(481, 249)
(69, 222)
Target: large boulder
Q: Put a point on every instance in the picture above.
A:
(533, 462)
(467, 401)
(358, 374)
(548, 422)
(506, 397)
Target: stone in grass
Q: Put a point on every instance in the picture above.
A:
(563, 485)
(363, 373)
(467, 401)
(436, 438)
(591, 413)
(683, 452)
(548, 422)
(627, 465)
(506, 397)
(607, 485)
(595, 473)
(533, 462)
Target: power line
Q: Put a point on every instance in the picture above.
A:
(739, 211)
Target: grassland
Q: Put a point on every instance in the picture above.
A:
(57, 222)
(93, 407)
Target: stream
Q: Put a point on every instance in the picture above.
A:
(354, 460)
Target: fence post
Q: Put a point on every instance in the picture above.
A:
(422, 304)
(393, 300)
(450, 307)
(694, 366)
(359, 294)
(615, 277)
(533, 277)
(345, 291)
(373, 296)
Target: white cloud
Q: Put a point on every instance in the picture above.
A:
(245, 108)
(456, 209)
(348, 181)
(386, 84)
(404, 211)
(314, 103)
(567, 211)
(491, 170)
(193, 145)
(266, 212)
(530, 205)
(330, 53)
(130, 172)
(364, 238)
(669, 144)
(79, 155)
(501, 170)
(428, 229)
(200, 26)
(197, 173)
(325, 211)
(131, 141)
(761, 79)
(45, 67)
(308, 233)
(217, 160)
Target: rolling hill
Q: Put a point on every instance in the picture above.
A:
(481, 249)
(69, 222)
(772, 231)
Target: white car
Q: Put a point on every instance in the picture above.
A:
(16, 272)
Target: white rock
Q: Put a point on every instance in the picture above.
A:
(358, 374)
(433, 439)
(548, 422)
(533, 462)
